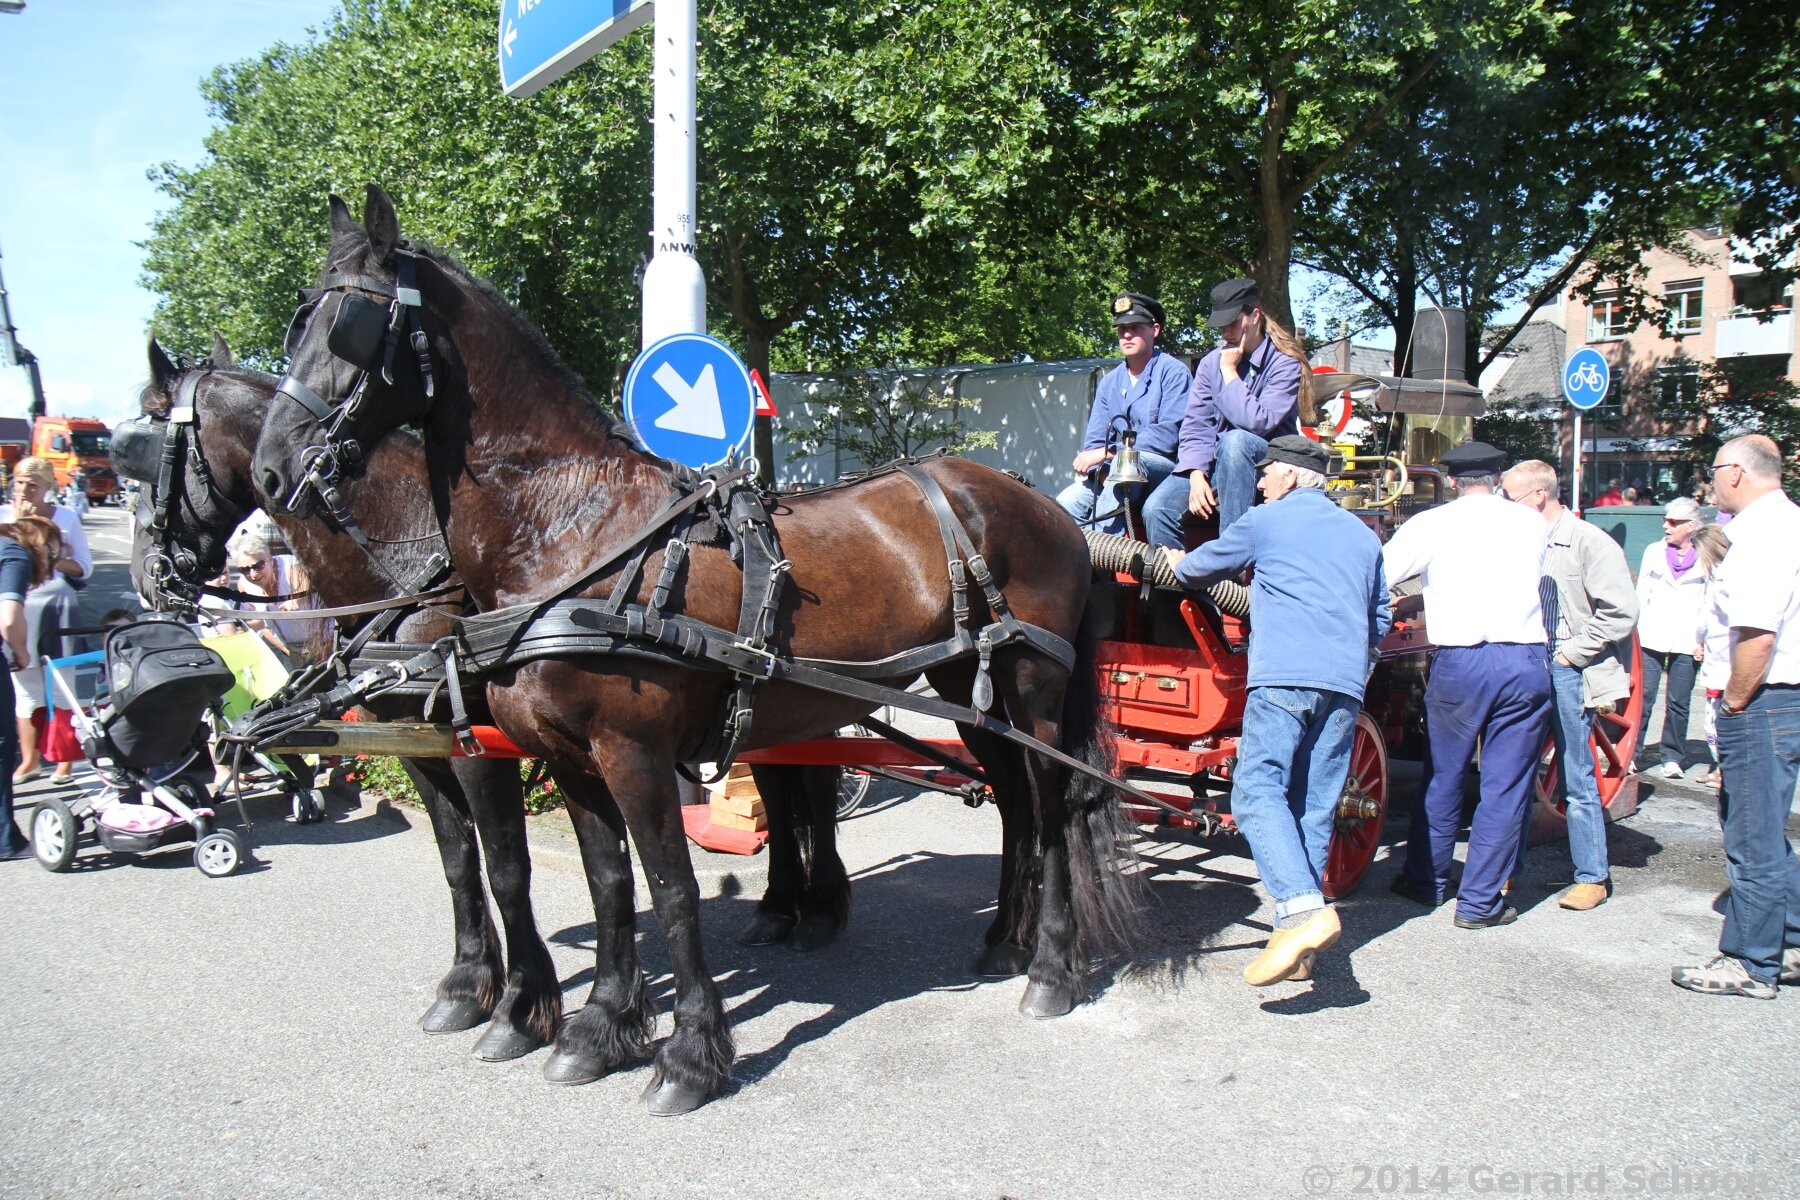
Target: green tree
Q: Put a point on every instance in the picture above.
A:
(1214, 126)
(1734, 396)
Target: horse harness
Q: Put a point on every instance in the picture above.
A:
(701, 510)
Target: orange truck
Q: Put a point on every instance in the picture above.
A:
(77, 443)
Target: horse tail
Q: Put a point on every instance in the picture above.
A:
(1106, 889)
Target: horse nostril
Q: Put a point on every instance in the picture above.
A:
(271, 487)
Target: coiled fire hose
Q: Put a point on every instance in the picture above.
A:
(1110, 552)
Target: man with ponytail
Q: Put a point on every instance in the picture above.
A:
(1253, 388)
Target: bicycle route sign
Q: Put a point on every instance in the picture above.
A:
(689, 398)
(543, 40)
(1586, 378)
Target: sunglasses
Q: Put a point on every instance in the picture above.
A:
(1713, 471)
(254, 568)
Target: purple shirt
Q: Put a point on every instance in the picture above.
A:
(1264, 400)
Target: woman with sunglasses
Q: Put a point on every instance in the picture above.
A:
(1671, 585)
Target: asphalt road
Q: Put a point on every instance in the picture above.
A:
(171, 1035)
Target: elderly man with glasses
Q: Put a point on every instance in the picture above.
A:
(1595, 607)
(1757, 589)
(1670, 587)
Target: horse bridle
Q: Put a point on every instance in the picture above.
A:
(172, 566)
(366, 338)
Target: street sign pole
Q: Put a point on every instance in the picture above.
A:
(1586, 380)
(674, 288)
(1575, 487)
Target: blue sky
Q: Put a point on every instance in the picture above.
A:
(92, 94)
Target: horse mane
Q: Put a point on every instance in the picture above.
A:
(567, 379)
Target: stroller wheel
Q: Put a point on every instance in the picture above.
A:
(219, 853)
(307, 808)
(315, 800)
(54, 833)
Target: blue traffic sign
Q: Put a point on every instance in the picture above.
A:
(543, 40)
(1586, 378)
(689, 398)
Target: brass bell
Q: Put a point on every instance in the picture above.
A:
(1126, 466)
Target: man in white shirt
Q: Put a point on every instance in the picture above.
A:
(1595, 608)
(1482, 561)
(1758, 591)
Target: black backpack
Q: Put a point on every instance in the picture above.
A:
(162, 681)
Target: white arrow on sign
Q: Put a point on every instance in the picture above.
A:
(512, 33)
(697, 410)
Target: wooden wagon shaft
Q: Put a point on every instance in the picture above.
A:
(400, 739)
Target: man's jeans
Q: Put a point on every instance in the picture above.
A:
(1570, 725)
(1078, 498)
(1680, 669)
(1759, 760)
(1234, 483)
(1292, 762)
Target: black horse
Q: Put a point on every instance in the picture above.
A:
(542, 493)
(212, 495)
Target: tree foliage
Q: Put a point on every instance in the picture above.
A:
(878, 416)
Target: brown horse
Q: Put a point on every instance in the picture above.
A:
(538, 487)
(210, 496)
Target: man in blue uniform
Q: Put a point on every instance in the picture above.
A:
(1254, 387)
(1318, 610)
(1149, 390)
(1482, 561)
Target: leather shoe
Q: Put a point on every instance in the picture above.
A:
(1291, 951)
(1584, 896)
(1505, 916)
(1402, 886)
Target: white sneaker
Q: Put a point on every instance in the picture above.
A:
(1664, 771)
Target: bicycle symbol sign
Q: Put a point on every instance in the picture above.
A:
(1586, 377)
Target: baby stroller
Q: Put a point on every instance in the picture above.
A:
(148, 747)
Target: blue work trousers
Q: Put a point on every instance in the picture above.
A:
(1759, 760)
(1292, 762)
(1497, 694)
(1097, 493)
(1234, 485)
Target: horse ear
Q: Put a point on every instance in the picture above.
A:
(221, 354)
(162, 370)
(382, 224)
(341, 220)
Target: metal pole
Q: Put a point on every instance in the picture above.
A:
(16, 355)
(674, 288)
(1575, 494)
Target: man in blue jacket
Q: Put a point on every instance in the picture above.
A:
(1149, 390)
(1318, 612)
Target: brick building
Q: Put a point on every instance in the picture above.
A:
(1720, 306)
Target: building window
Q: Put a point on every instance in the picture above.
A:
(1612, 408)
(1678, 387)
(1683, 301)
(1606, 319)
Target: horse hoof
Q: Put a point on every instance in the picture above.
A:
(1042, 1001)
(814, 932)
(766, 929)
(1002, 961)
(503, 1043)
(452, 1016)
(571, 1069)
(671, 1099)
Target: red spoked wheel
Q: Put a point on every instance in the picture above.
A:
(1614, 746)
(1361, 811)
